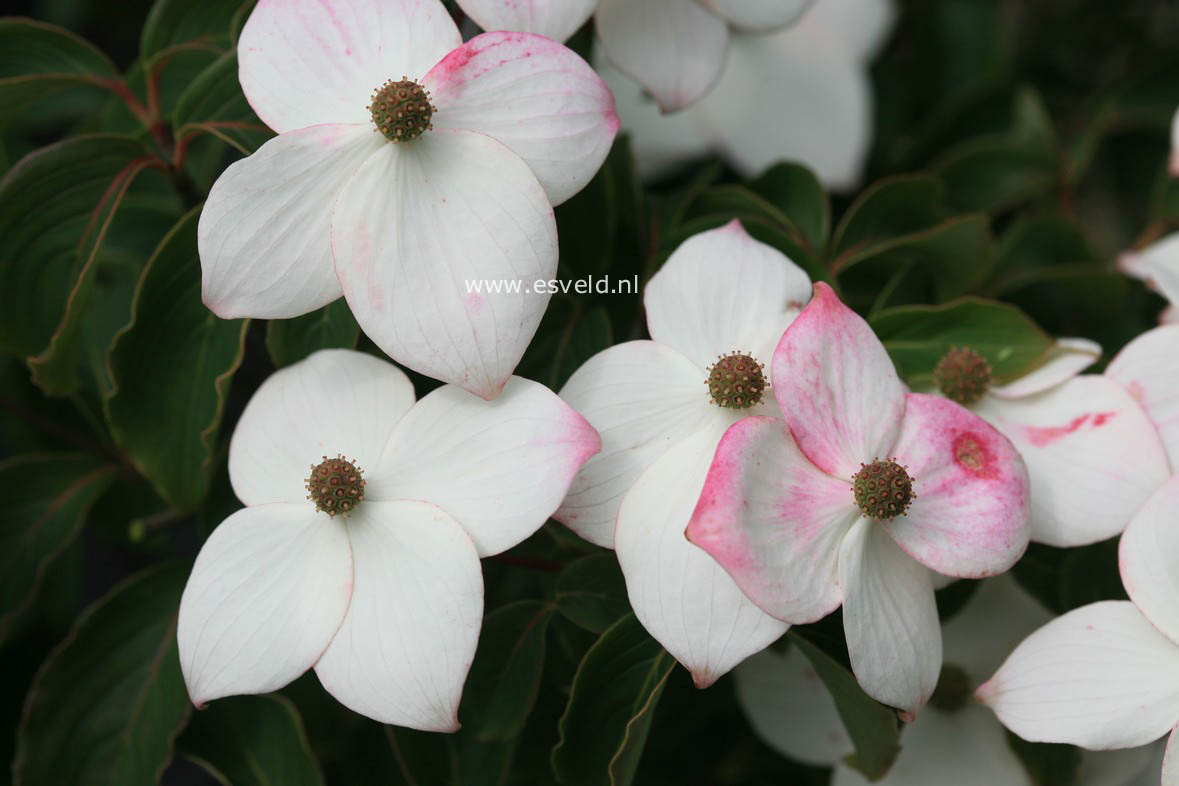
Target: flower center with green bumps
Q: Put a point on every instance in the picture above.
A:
(401, 110)
(953, 689)
(963, 375)
(336, 486)
(883, 489)
(736, 381)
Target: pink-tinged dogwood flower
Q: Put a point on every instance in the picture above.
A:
(857, 497)
(357, 553)
(800, 93)
(715, 311)
(407, 165)
(1148, 368)
(1093, 455)
(676, 49)
(556, 19)
(1158, 265)
(1106, 675)
(955, 740)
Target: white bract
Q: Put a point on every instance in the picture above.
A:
(385, 600)
(1106, 675)
(495, 132)
(720, 292)
(954, 740)
(1148, 368)
(800, 93)
(1158, 265)
(557, 19)
(1092, 453)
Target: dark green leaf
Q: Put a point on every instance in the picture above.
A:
(1090, 574)
(1039, 242)
(1038, 571)
(797, 193)
(600, 228)
(55, 207)
(917, 337)
(1049, 764)
(505, 677)
(993, 175)
(893, 207)
(36, 59)
(871, 726)
(213, 103)
(605, 725)
(171, 367)
(331, 327)
(251, 741)
(107, 704)
(47, 500)
(173, 22)
(592, 592)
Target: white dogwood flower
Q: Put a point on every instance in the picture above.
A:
(357, 553)
(407, 166)
(715, 311)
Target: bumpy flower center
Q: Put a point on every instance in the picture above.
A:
(963, 375)
(736, 381)
(883, 489)
(953, 689)
(401, 110)
(336, 486)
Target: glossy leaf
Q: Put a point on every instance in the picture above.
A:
(251, 741)
(171, 368)
(917, 337)
(893, 207)
(107, 704)
(38, 58)
(213, 103)
(331, 327)
(872, 727)
(591, 592)
(613, 699)
(48, 496)
(55, 207)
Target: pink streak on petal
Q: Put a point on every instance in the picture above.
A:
(1042, 436)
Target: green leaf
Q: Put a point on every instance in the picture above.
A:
(505, 677)
(872, 726)
(331, 327)
(1049, 764)
(107, 704)
(47, 500)
(251, 741)
(1090, 574)
(611, 703)
(174, 22)
(994, 175)
(213, 103)
(888, 209)
(1039, 242)
(796, 192)
(591, 592)
(55, 207)
(171, 367)
(917, 337)
(37, 58)
(600, 227)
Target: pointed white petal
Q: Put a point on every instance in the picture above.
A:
(1093, 457)
(673, 48)
(556, 19)
(642, 398)
(265, 597)
(403, 651)
(790, 708)
(1158, 264)
(1148, 367)
(499, 468)
(265, 232)
(1100, 677)
(534, 95)
(758, 15)
(890, 619)
(722, 291)
(306, 62)
(1149, 559)
(680, 594)
(965, 748)
(1067, 358)
(424, 223)
(334, 402)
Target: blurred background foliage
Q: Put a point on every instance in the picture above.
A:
(1019, 148)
